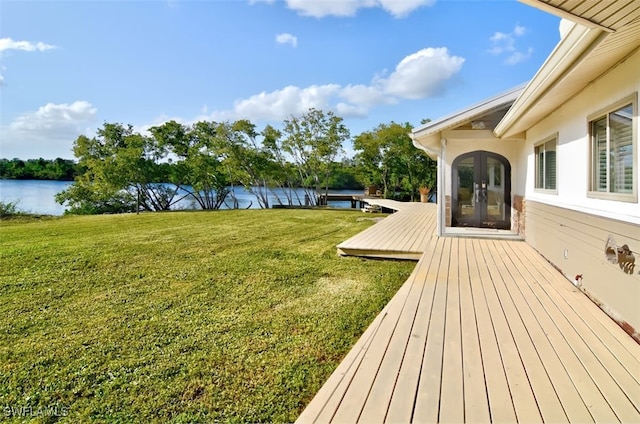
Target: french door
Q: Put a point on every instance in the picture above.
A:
(481, 191)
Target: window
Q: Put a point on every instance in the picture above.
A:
(613, 167)
(546, 164)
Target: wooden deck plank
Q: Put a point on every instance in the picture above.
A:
(523, 399)
(363, 381)
(400, 231)
(402, 235)
(623, 377)
(559, 335)
(427, 403)
(451, 389)
(610, 334)
(402, 401)
(324, 404)
(418, 222)
(604, 368)
(427, 231)
(476, 403)
(500, 405)
(482, 331)
(530, 311)
(387, 379)
(540, 384)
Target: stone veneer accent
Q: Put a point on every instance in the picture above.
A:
(518, 215)
(447, 211)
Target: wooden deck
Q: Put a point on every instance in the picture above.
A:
(402, 235)
(485, 331)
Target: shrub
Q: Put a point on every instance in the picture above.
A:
(8, 209)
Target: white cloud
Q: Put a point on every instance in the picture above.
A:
(402, 8)
(365, 95)
(7, 44)
(425, 73)
(519, 31)
(47, 131)
(345, 8)
(518, 57)
(347, 110)
(505, 43)
(286, 38)
(54, 118)
(280, 104)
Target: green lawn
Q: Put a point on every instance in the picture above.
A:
(185, 316)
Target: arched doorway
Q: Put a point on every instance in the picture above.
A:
(481, 191)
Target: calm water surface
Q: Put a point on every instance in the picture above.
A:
(39, 196)
(33, 196)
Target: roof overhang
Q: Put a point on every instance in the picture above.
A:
(583, 55)
(608, 15)
(428, 137)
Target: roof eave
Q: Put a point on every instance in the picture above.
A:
(567, 54)
(558, 11)
(433, 128)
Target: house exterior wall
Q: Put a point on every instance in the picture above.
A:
(573, 230)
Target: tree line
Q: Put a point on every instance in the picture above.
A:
(39, 169)
(123, 170)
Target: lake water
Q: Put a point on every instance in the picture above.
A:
(38, 197)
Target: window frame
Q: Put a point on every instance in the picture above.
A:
(543, 142)
(604, 113)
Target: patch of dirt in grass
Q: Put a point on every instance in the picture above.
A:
(337, 286)
(327, 292)
(377, 219)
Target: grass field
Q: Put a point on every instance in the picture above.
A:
(235, 316)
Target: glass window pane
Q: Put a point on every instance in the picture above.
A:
(550, 165)
(621, 155)
(545, 162)
(539, 153)
(599, 134)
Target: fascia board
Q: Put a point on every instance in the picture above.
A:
(467, 114)
(567, 54)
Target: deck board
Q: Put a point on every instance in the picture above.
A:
(482, 331)
(568, 395)
(500, 401)
(404, 234)
(476, 406)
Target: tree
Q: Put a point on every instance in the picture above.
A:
(282, 174)
(387, 157)
(120, 165)
(314, 140)
(38, 169)
(197, 168)
(248, 161)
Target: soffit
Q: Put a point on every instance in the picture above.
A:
(487, 114)
(557, 82)
(609, 15)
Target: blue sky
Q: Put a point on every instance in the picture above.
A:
(66, 67)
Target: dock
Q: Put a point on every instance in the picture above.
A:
(358, 201)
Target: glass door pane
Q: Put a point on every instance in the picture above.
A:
(495, 190)
(466, 201)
